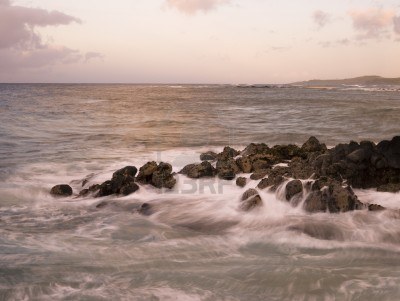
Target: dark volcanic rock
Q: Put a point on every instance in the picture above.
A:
(241, 181)
(227, 169)
(162, 176)
(227, 153)
(313, 145)
(61, 190)
(146, 172)
(244, 164)
(250, 199)
(391, 187)
(208, 156)
(275, 178)
(375, 207)
(333, 198)
(292, 188)
(122, 182)
(391, 151)
(259, 174)
(91, 189)
(195, 171)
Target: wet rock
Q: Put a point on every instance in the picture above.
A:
(227, 153)
(61, 190)
(292, 188)
(391, 187)
(287, 152)
(244, 164)
(259, 174)
(129, 188)
(122, 182)
(250, 199)
(241, 181)
(146, 209)
(196, 171)
(227, 169)
(208, 156)
(263, 162)
(127, 171)
(146, 172)
(313, 145)
(375, 207)
(275, 178)
(253, 149)
(162, 177)
(91, 189)
(101, 205)
(391, 151)
(333, 198)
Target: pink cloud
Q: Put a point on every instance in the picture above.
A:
(372, 23)
(321, 18)
(396, 23)
(193, 6)
(21, 45)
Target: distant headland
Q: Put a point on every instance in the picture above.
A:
(362, 80)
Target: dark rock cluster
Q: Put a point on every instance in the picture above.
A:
(320, 179)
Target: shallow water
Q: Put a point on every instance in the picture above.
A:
(197, 245)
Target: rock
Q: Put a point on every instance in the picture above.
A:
(89, 190)
(241, 181)
(391, 187)
(208, 156)
(253, 149)
(146, 172)
(313, 145)
(287, 152)
(162, 176)
(250, 199)
(196, 171)
(145, 209)
(61, 190)
(244, 164)
(129, 188)
(292, 188)
(260, 163)
(259, 174)
(127, 171)
(359, 155)
(375, 207)
(227, 169)
(227, 153)
(334, 198)
(391, 151)
(275, 178)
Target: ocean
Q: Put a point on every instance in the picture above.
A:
(196, 245)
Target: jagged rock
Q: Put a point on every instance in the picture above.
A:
(253, 149)
(208, 156)
(122, 182)
(391, 187)
(250, 199)
(313, 145)
(244, 164)
(241, 181)
(146, 172)
(227, 153)
(287, 152)
(162, 176)
(275, 178)
(91, 189)
(61, 190)
(292, 188)
(195, 171)
(259, 175)
(227, 169)
(334, 198)
(391, 151)
(375, 207)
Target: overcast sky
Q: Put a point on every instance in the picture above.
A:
(197, 41)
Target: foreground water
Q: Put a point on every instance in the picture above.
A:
(197, 245)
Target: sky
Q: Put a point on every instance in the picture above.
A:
(197, 41)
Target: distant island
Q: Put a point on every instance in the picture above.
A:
(362, 80)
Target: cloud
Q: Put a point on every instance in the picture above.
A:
(193, 6)
(372, 23)
(21, 45)
(321, 18)
(396, 23)
(93, 55)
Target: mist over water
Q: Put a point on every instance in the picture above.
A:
(197, 245)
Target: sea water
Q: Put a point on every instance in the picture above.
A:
(196, 245)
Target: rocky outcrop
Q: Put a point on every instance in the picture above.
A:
(157, 175)
(208, 156)
(293, 188)
(122, 182)
(227, 169)
(62, 190)
(331, 197)
(241, 181)
(196, 171)
(250, 199)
